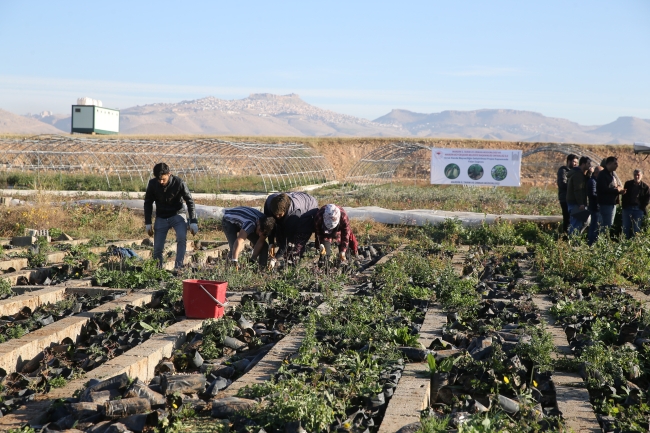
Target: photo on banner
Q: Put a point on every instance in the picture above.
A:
(480, 167)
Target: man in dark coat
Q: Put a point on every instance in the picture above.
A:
(634, 203)
(571, 162)
(608, 189)
(168, 192)
(594, 214)
(576, 196)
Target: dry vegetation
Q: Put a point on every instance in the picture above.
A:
(112, 223)
(343, 152)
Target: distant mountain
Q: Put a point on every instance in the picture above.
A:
(14, 124)
(514, 125)
(626, 129)
(59, 121)
(288, 115)
(259, 114)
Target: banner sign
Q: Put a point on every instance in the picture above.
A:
(476, 167)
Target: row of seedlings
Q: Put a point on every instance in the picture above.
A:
(187, 383)
(492, 368)
(348, 366)
(607, 329)
(43, 372)
(106, 335)
(204, 367)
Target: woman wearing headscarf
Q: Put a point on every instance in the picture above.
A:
(331, 225)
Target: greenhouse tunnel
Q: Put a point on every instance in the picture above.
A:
(276, 167)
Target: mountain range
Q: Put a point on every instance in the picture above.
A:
(288, 115)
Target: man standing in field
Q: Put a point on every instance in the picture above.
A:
(594, 213)
(571, 162)
(168, 192)
(294, 218)
(241, 223)
(608, 189)
(634, 203)
(576, 196)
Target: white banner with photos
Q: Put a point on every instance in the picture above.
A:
(480, 167)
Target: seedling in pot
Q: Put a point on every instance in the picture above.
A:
(439, 373)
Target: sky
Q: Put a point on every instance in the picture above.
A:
(587, 61)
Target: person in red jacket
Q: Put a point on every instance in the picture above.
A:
(331, 225)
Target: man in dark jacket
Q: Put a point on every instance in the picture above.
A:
(294, 220)
(576, 196)
(168, 192)
(608, 189)
(594, 214)
(634, 202)
(571, 162)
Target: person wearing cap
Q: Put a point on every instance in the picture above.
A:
(634, 203)
(332, 225)
(242, 223)
(168, 192)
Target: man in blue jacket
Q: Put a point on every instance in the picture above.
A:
(168, 192)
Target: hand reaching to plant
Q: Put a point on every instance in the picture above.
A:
(342, 256)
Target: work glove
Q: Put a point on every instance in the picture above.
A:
(272, 264)
(149, 229)
(272, 250)
(194, 228)
(342, 256)
(323, 251)
(234, 263)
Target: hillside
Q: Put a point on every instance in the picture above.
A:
(266, 114)
(14, 124)
(259, 114)
(514, 125)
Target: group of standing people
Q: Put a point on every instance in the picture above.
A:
(288, 220)
(592, 192)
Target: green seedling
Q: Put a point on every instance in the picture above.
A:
(443, 366)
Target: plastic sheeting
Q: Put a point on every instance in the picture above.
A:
(417, 217)
(421, 217)
(642, 148)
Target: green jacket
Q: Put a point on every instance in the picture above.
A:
(576, 188)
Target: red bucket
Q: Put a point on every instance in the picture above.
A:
(204, 299)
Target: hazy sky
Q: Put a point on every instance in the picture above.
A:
(588, 61)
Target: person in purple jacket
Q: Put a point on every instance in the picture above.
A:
(294, 221)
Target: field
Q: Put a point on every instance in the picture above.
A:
(438, 328)
(493, 328)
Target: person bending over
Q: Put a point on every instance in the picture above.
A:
(331, 225)
(294, 221)
(241, 223)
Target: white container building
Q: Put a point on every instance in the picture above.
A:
(90, 117)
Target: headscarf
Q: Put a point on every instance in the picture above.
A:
(331, 217)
